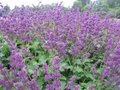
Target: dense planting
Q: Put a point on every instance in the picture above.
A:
(53, 49)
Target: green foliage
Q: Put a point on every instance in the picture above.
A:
(118, 12)
(5, 50)
(113, 3)
(107, 7)
(102, 7)
(70, 65)
(77, 4)
(81, 4)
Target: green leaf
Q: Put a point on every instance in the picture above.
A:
(30, 71)
(5, 50)
(63, 85)
(1, 88)
(34, 63)
(78, 69)
(40, 82)
(63, 78)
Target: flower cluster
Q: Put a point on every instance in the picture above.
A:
(112, 65)
(64, 34)
(55, 77)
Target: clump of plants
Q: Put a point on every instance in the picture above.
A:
(54, 49)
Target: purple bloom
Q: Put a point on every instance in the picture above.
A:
(56, 75)
(16, 60)
(56, 84)
(92, 87)
(1, 65)
(48, 77)
(106, 72)
(56, 67)
(76, 87)
(70, 82)
(45, 69)
(56, 62)
(35, 72)
(23, 75)
(33, 85)
(94, 71)
(19, 86)
(49, 87)
(3, 71)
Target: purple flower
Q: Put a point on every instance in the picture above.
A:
(56, 62)
(49, 87)
(25, 51)
(56, 84)
(33, 85)
(35, 74)
(70, 82)
(56, 75)
(48, 77)
(94, 71)
(3, 71)
(23, 75)
(92, 87)
(19, 86)
(16, 60)
(45, 69)
(56, 67)
(1, 65)
(76, 87)
(106, 72)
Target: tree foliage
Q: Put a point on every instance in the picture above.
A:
(80, 3)
(113, 3)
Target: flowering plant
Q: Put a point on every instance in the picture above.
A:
(54, 49)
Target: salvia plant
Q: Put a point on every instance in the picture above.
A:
(44, 48)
